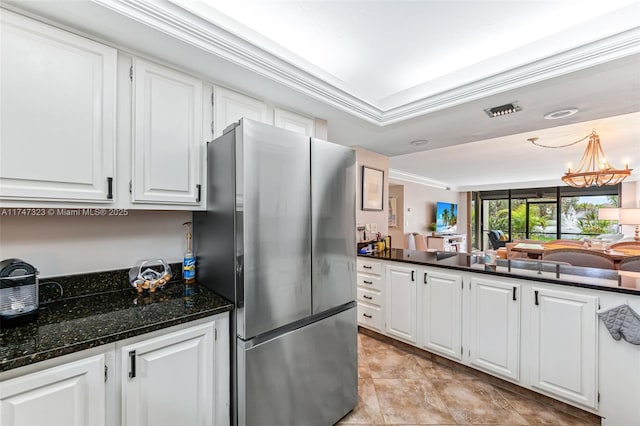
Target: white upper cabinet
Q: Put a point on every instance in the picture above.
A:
(57, 94)
(167, 134)
(564, 337)
(495, 326)
(229, 107)
(294, 122)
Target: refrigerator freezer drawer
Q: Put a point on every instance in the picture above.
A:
(308, 376)
(370, 316)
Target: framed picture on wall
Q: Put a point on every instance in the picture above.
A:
(393, 211)
(372, 188)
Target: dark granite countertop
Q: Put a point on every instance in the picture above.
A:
(85, 321)
(534, 270)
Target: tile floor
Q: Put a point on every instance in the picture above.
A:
(397, 387)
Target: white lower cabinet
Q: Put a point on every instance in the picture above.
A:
(174, 376)
(68, 394)
(401, 303)
(564, 333)
(370, 294)
(494, 329)
(168, 380)
(441, 312)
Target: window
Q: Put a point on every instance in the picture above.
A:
(543, 213)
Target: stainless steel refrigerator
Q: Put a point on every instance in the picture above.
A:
(278, 240)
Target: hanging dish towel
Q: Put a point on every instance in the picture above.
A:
(622, 322)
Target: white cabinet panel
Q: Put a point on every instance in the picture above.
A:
(57, 94)
(294, 122)
(167, 133)
(441, 305)
(495, 327)
(71, 394)
(401, 303)
(168, 380)
(229, 107)
(564, 332)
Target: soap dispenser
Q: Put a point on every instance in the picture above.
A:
(189, 262)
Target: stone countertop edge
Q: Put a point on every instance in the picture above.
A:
(72, 325)
(459, 261)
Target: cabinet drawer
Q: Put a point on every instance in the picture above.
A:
(369, 316)
(370, 281)
(369, 296)
(369, 267)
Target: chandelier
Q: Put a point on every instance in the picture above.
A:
(594, 169)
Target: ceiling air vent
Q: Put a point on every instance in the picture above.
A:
(503, 109)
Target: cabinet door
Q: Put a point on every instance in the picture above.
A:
(167, 133)
(495, 327)
(294, 122)
(564, 341)
(69, 394)
(57, 108)
(229, 107)
(401, 303)
(168, 380)
(441, 304)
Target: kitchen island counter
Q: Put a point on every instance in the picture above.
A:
(548, 272)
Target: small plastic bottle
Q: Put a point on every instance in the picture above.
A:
(189, 261)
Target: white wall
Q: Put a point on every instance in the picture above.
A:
(376, 161)
(64, 245)
(420, 205)
(397, 232)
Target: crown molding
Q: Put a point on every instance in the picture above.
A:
(174, 21)
(420, 180)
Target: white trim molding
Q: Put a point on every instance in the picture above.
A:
(183, 25)
(421, 180)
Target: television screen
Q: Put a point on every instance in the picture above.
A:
(446, 217)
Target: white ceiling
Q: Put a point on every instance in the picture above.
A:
(388, 52)
(384, 73)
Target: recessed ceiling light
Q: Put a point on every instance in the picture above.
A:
(562, 113)
(503, 109)
(419, 142)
